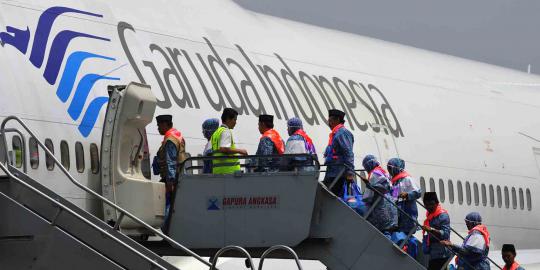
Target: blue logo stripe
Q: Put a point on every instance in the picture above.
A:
(81, 94)
(91, 115)
(19, 39)
(69, 75)
(58, 51)
(43, 31)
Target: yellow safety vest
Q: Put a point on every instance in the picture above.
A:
(227, 165)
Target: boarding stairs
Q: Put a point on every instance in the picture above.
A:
(256, 210)
(275, 214)
(42, 230)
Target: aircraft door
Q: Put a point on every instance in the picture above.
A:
(125, 163)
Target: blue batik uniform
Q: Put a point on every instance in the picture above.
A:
(384, 214)
(269, 144)
(338, 153)
(170, 154)
(473, 254)
(404, 183)
(436, 250)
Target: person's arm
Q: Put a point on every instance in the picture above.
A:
(474, 246)
(380, 183)
(225, 145)
(228, 150)
(345, 145)
(414, 193)
(170, 157)
(443, 232)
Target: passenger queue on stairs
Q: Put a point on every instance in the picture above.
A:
(389, 201)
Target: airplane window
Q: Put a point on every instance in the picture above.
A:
(450, 191)
(484, 195)
(17, 149)
(460, 192)
(94, 158)
(521, 200)
(423, 185)
(506, 198)
(491, 196)
(499, 196)
(514, 198)
(468, 192)
(49, 161)
(529, 200)
(441, 190)
(476, 194)
(34, 153)
(79, 156)
(64, 154)
(431, 185)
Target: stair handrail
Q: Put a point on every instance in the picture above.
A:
(101, 198)
(83, 219)
(381, 195)
(228, 248)
(282, 247)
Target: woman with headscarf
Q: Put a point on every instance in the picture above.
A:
(383, 213)
(209, 126)
(405, 193)
(298, 143)
(473, 253)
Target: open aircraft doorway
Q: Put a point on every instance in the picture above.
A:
(130, 109)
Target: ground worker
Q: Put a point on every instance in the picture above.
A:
(222, 142)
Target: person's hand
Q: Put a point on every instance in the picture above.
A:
(445, 242)
(427, 228)
(242, 152)
(403, 195)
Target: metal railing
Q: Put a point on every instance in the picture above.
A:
(62, 207)
(382, 196)
(255, 163)
(280, 247)
(99, 197)
(229, 248)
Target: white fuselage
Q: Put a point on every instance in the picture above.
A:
(449, 118)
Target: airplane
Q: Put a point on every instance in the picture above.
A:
(465, 129)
